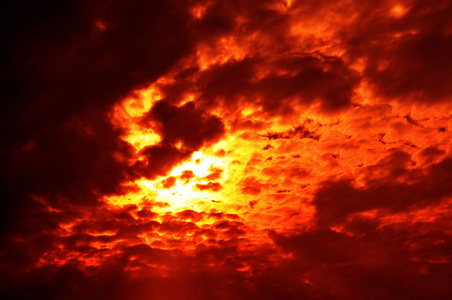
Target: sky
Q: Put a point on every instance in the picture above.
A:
(226, 150)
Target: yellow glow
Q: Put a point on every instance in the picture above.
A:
(188, 98)
(200, 164)
(183, 194)
(249, 111)
(141, 138)
(128, 114)
(137, 107)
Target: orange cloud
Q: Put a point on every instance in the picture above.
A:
(227, 150)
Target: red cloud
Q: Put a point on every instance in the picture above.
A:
(227, 150)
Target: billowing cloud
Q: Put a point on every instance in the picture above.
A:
(227, 150)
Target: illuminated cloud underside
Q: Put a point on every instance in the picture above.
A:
(246, 150)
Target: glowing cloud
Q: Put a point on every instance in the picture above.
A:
(227, 150)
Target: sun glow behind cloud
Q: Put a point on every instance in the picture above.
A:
(208, 149)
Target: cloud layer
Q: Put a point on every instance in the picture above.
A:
(227, 150)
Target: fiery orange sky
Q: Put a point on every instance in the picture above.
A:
(227, 150)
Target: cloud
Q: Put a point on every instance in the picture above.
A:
(389, 186)
(64, 75)
(227, 150)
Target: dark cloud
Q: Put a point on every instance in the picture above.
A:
(307, 78)
(160, 159)
(64, 74)
(299, 131)
(187, 124)
(390, 186)
(393, 261)
(415, 64)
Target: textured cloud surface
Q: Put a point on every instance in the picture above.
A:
(227, 150)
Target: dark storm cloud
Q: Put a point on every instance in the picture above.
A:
(389, 185)
(404, 57)
(64, 74)
(187, 124)
(311, 78)
(194, 279)
(392, 262)
(160, 159)
(72, 280)
(305, 79)
(293, 75)
(407, 57)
